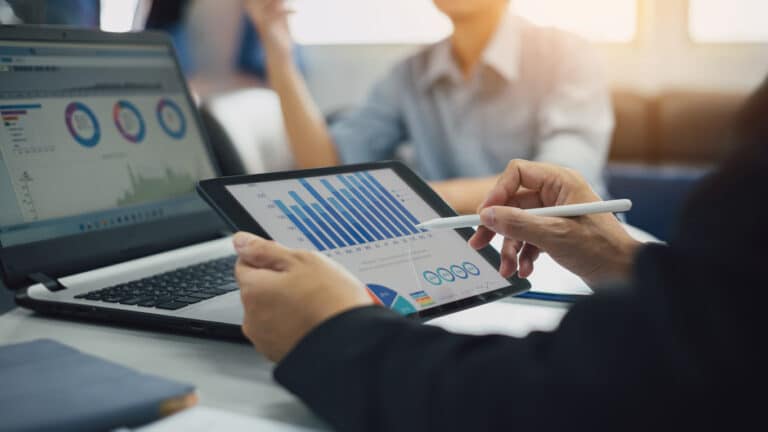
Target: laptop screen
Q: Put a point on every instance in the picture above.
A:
(94, 137)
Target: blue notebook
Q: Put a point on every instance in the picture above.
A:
(45, 385)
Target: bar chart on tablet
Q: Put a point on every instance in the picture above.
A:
(366, 221)
(345, 210)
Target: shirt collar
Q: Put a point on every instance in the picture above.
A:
(502, 55)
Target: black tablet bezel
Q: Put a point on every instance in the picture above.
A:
(215, 193)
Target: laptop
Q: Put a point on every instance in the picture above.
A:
(100, 151)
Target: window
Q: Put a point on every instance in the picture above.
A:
(733, 21)
(418, 21)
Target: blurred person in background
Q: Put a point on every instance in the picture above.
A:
(218, 47)
(499, 88)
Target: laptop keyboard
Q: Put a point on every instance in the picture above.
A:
(174, 289)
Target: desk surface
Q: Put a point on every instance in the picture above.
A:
(231, 375)
(234, 377)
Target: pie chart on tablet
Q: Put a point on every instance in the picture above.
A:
(390, 298)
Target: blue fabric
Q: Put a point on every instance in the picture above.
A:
(251, 57)
(658, 194)
(79, 13)
(180, 38)
(85, 13)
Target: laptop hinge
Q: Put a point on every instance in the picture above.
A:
(50, 283)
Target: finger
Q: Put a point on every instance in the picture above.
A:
(253, 282)
(546, 179)
(509, 251)
(261, 253)
(481, 238)
(528, 255)
(251, 277)
(510, 182)
(506, 187)
(516, 223)
(525, 199)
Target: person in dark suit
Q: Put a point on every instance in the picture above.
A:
(671, 339)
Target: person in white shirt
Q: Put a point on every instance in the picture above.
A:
(499, 88)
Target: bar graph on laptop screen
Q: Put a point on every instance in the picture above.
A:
(366, 221)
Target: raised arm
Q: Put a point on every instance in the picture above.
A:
(308, 136)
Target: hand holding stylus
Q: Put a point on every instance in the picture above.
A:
(594, 246)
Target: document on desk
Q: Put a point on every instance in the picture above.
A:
(204, 419)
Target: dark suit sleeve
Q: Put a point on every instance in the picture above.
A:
(369, 369)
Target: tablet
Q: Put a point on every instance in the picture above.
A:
(364, 216)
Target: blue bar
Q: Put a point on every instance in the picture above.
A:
(330, 210)
(314, 228)
(333, 224)
(20, 107)
(318, 220)
(352, 210)
(370, 207)
(391, 198)
(389, 205)
(299, 225)
(367, 215)
(352, 221)
(381, 208)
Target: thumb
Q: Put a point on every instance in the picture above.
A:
(262, 253)
(512, 222)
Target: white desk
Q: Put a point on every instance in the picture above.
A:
(232, 376)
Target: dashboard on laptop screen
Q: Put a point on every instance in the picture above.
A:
(94, 137)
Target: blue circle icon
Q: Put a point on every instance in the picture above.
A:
(432, 278)
(171, 118)
(459, 272)
(445, 274)
(82, 124)
(471, 268)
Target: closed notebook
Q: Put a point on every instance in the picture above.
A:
(45, 385)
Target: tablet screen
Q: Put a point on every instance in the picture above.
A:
(366, 221)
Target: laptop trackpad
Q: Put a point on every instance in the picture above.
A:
(225, 309)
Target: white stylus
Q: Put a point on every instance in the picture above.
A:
(570, 210)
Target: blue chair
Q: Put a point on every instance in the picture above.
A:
(658, 193)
